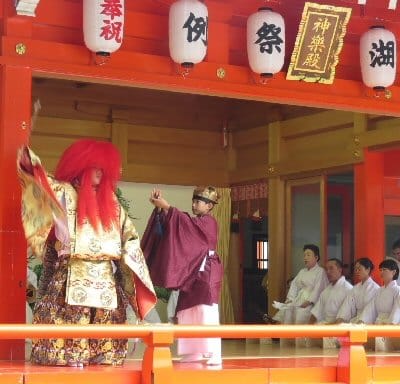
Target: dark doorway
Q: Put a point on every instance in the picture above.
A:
(255, 270)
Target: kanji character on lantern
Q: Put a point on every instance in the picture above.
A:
(103, 25)
(266, 42)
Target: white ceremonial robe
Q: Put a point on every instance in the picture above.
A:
(356, 300)
(385, 308)
(330, 301)
(204, 315)
(306, 286)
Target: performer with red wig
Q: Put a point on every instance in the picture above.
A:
(93, 265)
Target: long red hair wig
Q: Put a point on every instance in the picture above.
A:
(97, 205)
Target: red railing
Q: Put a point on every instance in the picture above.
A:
(157, 360)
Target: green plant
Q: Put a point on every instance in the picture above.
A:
(125, 203)
(37, 269)
(162, 293)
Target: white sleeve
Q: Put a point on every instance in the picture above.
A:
(320, 285)
(348, 308)
(394, 317)
(369, 313)
(294, 289)
(317, 310)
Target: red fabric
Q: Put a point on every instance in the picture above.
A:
(174, 258)
(76, 165)
(145, 299)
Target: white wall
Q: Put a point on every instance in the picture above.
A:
(138, 195)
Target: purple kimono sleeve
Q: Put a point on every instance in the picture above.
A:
(174, 257)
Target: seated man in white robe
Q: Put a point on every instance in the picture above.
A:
(331, 299)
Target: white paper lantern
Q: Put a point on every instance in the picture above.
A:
(378, 57)
(266, 42)
(103, 25)
(188, 32)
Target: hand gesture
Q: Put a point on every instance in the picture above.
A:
(157, 200)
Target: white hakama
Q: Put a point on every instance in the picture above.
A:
(202, 315)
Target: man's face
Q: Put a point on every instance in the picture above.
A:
(333, 272)
(396, 253)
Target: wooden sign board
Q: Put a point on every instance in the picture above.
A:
(318, 43)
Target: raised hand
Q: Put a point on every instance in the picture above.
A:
(155, 194)
(157, 200)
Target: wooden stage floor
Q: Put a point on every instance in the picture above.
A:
(264, 363)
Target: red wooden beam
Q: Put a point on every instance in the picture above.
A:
(49, 59)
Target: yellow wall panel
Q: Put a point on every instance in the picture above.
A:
(175, 155)
(316, 122)
(256, 154)
(74, 128)
(250, 136)
(162, 135)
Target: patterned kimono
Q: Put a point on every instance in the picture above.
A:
(88, 277)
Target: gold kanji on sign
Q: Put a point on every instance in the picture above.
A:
(318, 43)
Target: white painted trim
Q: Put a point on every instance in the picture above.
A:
(26, 7)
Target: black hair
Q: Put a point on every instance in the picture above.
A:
(391, 265)
(338, 262)
(314, 248)
(366, 263)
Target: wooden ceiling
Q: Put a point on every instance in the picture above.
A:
(90, 101)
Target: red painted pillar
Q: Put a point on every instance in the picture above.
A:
(15, 111)
(369, 209)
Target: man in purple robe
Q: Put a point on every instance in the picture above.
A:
(180, 253)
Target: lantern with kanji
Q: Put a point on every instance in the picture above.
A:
(188, 32)
(103, 25)
(378, 58)
(266, 42)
